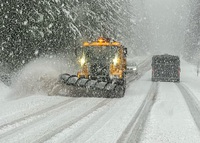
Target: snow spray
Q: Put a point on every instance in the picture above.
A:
(40, 75)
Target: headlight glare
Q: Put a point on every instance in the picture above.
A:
(134, 68)
(115, 60)
(82, 60)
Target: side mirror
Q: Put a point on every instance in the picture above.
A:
(125, 51)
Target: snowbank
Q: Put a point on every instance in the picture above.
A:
(189, 77)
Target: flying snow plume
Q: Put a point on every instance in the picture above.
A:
(4, 91)
(39, 76)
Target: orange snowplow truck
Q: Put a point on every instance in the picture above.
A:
(102, 69)
(103, 54)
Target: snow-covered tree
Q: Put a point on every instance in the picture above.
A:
(192, 41)
(30, 28)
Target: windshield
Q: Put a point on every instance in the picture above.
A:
(100, 53)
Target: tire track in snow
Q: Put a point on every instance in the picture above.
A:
(9, 128)
(133, 130)
(80, 127)
(68, 124)
(192, 102)
(36, 130)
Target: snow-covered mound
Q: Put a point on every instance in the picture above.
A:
(4, 90)
(192, 78)
(39, 76)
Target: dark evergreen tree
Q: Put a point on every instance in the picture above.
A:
(31, 28)
(192, 41)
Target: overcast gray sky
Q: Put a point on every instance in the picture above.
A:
(168, 24)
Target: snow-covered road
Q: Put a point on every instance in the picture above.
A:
(170, 119)
(40, 118)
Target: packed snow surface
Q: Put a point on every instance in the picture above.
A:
(191, 77)
(170, 119)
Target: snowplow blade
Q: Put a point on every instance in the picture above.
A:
(82, 87)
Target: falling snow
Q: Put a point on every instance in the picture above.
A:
(39, 40)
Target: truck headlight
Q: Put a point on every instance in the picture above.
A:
(82, 60)
(115, 60)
